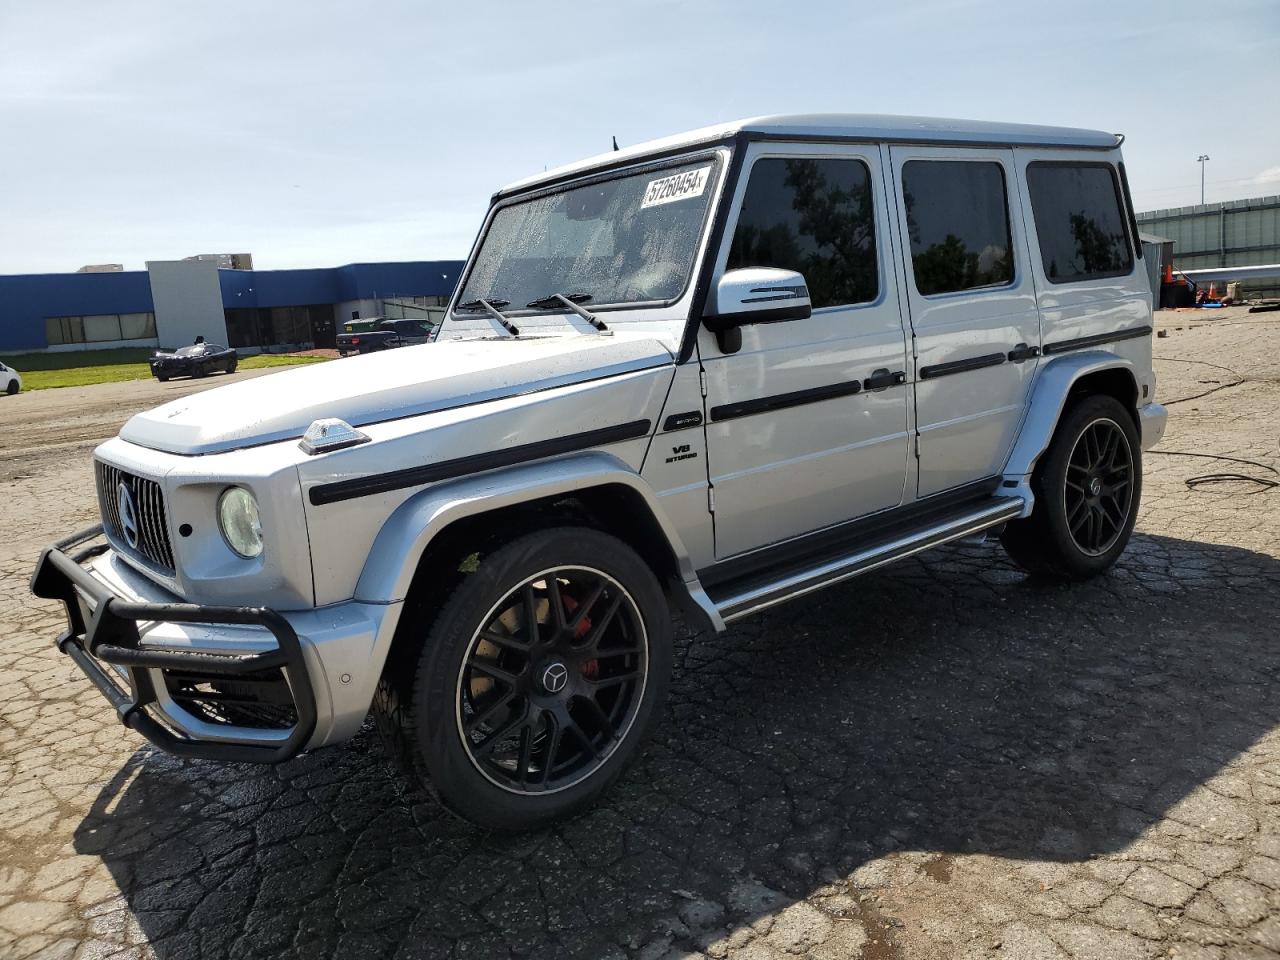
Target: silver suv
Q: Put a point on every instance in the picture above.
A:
(715, 372)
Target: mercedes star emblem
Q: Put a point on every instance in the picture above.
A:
(128, 515)
(555, 677)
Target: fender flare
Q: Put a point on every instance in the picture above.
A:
(405, 535)
(1049, 394)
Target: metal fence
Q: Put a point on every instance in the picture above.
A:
(1238, 233)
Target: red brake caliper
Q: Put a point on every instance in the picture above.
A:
(590, 669)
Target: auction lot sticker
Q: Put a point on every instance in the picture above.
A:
(682, 186)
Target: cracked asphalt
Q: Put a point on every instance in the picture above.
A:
(941, 759)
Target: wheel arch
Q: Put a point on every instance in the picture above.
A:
(1059, 383)
(417, 553)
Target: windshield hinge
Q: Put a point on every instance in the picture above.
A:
(711, 498)
(702, 381)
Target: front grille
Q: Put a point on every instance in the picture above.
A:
(148, 503)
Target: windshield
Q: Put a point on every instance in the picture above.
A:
(190, 351)
(627, 240)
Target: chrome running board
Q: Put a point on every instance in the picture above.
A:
(802, 580)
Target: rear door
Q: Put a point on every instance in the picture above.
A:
(972, 308)
(795, 440)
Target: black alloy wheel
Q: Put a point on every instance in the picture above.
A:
(1098, 491)
(520, 688)
(552, 681)
(1087, 487)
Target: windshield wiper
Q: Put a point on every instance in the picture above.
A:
(491, 308)
(572, 301)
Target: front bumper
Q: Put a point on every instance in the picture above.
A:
(238, 684)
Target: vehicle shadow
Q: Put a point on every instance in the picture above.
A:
(948, 705)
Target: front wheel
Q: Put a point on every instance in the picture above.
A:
(12, 389)
(1087, 487)
(535, 683)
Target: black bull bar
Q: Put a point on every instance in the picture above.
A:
(110, 635)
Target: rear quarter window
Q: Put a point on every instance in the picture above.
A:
(1080, 221)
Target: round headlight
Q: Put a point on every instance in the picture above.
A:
(239, 523)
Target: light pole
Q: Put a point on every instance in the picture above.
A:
(1200, 160)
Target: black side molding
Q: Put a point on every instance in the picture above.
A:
(1062, 346)
(464, 466)
(961, 366)
(780, 401)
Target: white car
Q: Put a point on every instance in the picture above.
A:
(716, 372)
(10, 379)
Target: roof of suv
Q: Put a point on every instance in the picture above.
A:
(845, 126)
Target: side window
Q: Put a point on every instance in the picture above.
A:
(1079, 220)
(814, 216)
(958, 219)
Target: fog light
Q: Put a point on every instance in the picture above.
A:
(239, 522)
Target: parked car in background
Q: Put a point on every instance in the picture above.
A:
(382, 335)
(10, 379)
(198, 360)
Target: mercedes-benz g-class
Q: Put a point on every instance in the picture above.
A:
(714, 372)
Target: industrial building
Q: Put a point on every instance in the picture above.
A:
(1237, 233)
(173, 301)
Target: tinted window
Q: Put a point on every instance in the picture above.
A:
(1079, 221)
(814, 216)
(958, 218)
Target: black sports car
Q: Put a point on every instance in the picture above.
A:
(199, 360)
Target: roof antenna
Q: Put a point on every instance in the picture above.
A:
(615, 143)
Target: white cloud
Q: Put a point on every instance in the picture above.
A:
(1269, 175)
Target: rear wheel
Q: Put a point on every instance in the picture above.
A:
(1088, 486)
(12, 388)
(231, 367)
(535, 683)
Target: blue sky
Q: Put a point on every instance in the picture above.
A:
(317, 133)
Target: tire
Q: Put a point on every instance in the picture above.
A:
(12, 388)
(442, 707)
(1088, 486)
(231, 367)
(162, 379)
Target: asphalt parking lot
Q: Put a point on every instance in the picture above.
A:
(942, 759)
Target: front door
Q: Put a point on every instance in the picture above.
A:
(797, 439)
(973, 308)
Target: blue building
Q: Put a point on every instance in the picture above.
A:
(172, 302)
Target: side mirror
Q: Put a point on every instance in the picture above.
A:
(755, 295)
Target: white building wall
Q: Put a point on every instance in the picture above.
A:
(367, 308)
(188, 302)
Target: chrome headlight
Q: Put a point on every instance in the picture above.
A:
(239, 522)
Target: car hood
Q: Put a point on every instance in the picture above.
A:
(383, 386)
